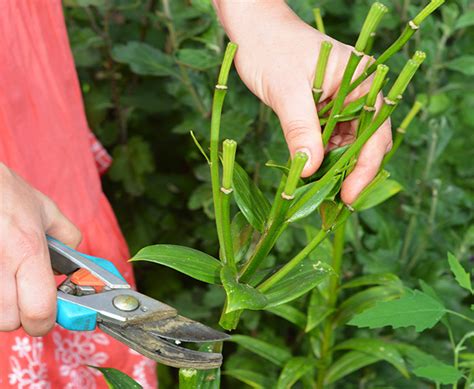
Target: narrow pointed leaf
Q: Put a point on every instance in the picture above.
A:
(240, 296)
(311, 205)
(300, 280)
(292, 314)
(193, 263)
(293, 370)
(275, 354)
(116, 379)
(415, 308)
(241, 236)
(250, 200)
(462, 277)
(377, 348)
(373, 279)
(347, 364)
(251, 378)
(329, 160)
(379, 190)
(317, 310)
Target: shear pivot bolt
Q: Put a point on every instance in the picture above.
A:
(125, 303)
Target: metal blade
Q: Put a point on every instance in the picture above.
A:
(180, 328)
(160, 350)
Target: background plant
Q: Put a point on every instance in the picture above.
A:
(133, 106)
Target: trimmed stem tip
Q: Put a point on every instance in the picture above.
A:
(376, 12)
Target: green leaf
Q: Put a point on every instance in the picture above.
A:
(379, 190)
(116, 379)
(290, 313)
(199, 59)
(377, 348)
(354, 106)
(462, 276)
(329, 210)
(329, 160)
(317, 310)
(413, 309)
(293, 370)
(424, 365)
(193, 263)
(144, 59)
(241, 236)
(250, 200)
(464, 64)
(300, 280)
(372, 279)
(275, 354)
(240, 296)
(466, 20)
(364, 299)
(251, 378)
(313, 203)
(348, 363)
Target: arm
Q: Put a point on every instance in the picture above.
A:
(27, 285)
(276, 59)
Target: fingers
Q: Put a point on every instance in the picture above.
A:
(9, 315)
(368, 163)
(297, 113)
(35, 285)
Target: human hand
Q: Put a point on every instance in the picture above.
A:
(27, 285)
(276, 59)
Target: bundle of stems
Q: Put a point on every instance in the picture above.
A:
(287, 207)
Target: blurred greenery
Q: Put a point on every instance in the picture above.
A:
(147, 69)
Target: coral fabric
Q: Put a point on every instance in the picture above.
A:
(44, 137)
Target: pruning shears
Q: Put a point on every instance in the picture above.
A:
(95, 294)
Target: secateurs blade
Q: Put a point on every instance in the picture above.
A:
(95, 294)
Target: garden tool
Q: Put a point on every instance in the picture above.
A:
(95, 294)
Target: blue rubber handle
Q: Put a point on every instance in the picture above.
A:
(75, 317)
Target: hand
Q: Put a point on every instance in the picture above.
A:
(276, 59)
(27, 285)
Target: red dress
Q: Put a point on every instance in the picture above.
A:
(44, 137)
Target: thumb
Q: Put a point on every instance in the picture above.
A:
(300, 123)
(59, 226)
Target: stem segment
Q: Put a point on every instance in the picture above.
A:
(324, 53)
(275, 224)
(228, 154)
(217, 103)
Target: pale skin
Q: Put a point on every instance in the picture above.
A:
(276, 59)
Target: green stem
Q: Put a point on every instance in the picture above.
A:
(328, 329)
(351, 67)
(276, 224)
(294, 261)
(228, 160)
(324, 52)
(217, 103)
(385, 111)
(369, 107)
(460, 315)
(318, 20)
(402, 130)
(395, 47)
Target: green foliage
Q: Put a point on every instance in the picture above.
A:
(116, 379)
(415, 308)
(462, 277)
(186, 260)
